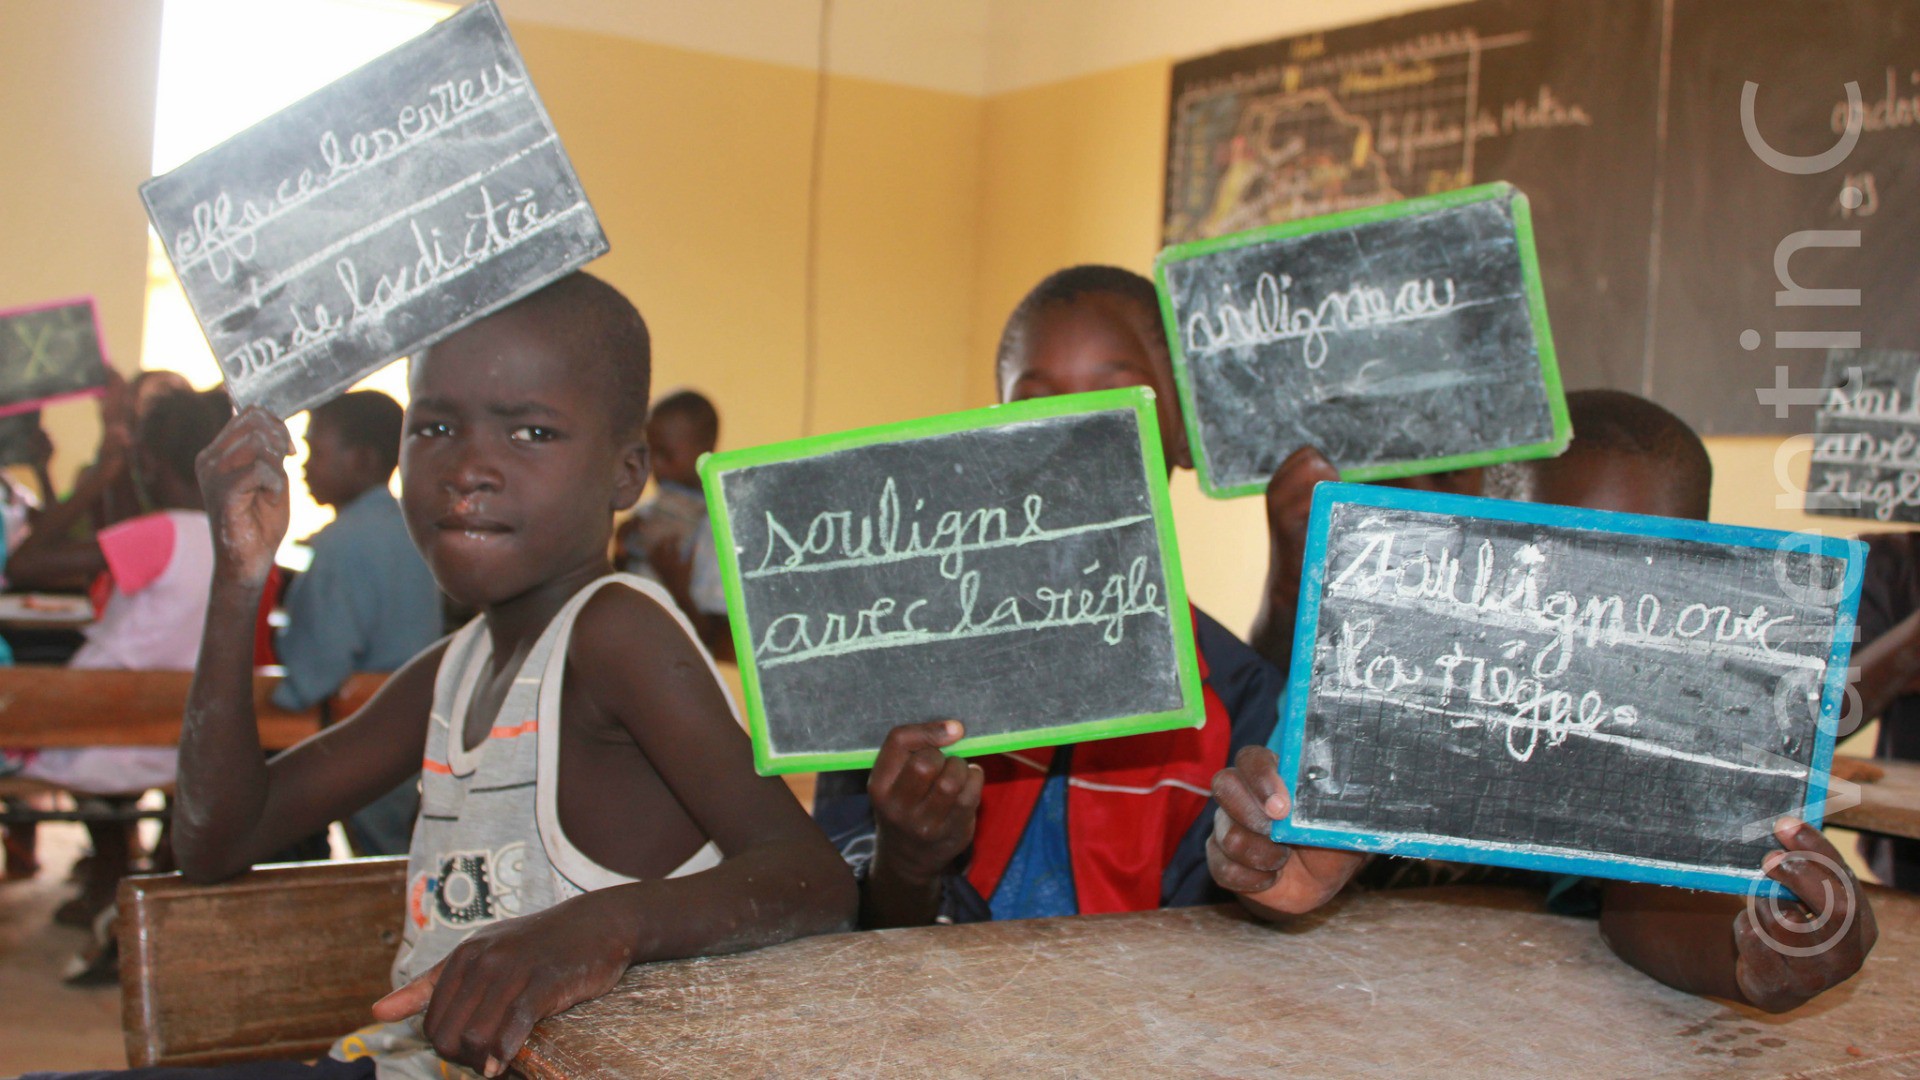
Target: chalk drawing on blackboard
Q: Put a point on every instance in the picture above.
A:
(1866, 443)
(375, 216)
(1013, 568)
(1561, 689)
(1397, 339)
(50, 352)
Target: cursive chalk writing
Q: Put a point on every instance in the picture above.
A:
(1271, 316)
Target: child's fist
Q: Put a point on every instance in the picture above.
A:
(1241, 854)
(924, 802)
(1788, 952)
(243, 478)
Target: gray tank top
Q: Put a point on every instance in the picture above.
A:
(488, 844)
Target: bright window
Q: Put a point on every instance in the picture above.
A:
(224, 65)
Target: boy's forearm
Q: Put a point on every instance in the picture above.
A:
(890, 897)
(223, 773)
(1683, 939)
(752, 900)
(1888, 666)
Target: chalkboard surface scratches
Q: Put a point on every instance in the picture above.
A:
(1403, 338)
(1013, 568)
(1561, 689)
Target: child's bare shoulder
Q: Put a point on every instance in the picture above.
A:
(630, 652)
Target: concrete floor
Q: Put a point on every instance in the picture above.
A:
(44, 1024)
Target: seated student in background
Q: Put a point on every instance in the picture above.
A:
(367, 602)
(669, 537)
(588, 800)
(159, 565)
(1114, 825)
(1630, 455)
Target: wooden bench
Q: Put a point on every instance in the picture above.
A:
(43, 707)
(275, 964)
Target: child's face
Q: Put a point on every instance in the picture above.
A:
(511, 468)
(1095, 343)
(1601, 481)
(332, 469)
(674, 447)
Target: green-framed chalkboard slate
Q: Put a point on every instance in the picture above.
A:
(1013, 568)
(1398, 339)
(1561, 689)
(50, 352)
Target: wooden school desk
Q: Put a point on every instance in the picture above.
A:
(54, 706)
(1432, 982)
(1888, 805)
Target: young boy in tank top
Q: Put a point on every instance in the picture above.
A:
(588, 801)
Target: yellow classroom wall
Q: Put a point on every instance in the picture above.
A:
(76, 137)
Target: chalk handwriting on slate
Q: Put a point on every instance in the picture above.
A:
(1866, 443)
(1545, 687)
(374, 217)
(1012, 576)
(49, 351)
(1387, 337)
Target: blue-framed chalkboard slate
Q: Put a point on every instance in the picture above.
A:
(1561, 689)
(375, 216)
(50, 352)
(1398, 339)
(1866, 442)
(1013, 568)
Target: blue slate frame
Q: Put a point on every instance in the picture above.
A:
(1287, 735)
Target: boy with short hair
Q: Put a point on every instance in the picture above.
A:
(576, 707)
(669, 537)
(1113, 825)
(1633, 456)
(367, 602)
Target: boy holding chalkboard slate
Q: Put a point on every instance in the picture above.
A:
(578, 704)
(1112, 825)
(1632, 456)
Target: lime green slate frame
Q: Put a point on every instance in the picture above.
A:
(1536, 306)
(770, 759)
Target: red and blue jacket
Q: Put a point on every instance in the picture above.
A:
(1139, 808)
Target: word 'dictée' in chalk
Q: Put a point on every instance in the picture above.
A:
(1560, 689)
(1866, 442)
(49, 352)
(374, 217)
(1013, 568)
(1398, 339)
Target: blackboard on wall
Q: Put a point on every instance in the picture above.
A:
(49, 352)
(1569, 690)
(1866, 444)
(1398, 339)
(1658, 224)
(1013, 568)
(375, 216)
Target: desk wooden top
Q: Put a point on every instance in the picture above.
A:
(55, 706)
(1443, 982)
(1889, 805)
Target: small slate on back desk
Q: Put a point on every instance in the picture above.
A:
(1399, 339)
(1561, 689)
(1013, 568)
(375, 216)
(1866, 442)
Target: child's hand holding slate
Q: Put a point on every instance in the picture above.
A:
(1780, 955)
(243, 476)
(924, 804)
(1241, 855)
